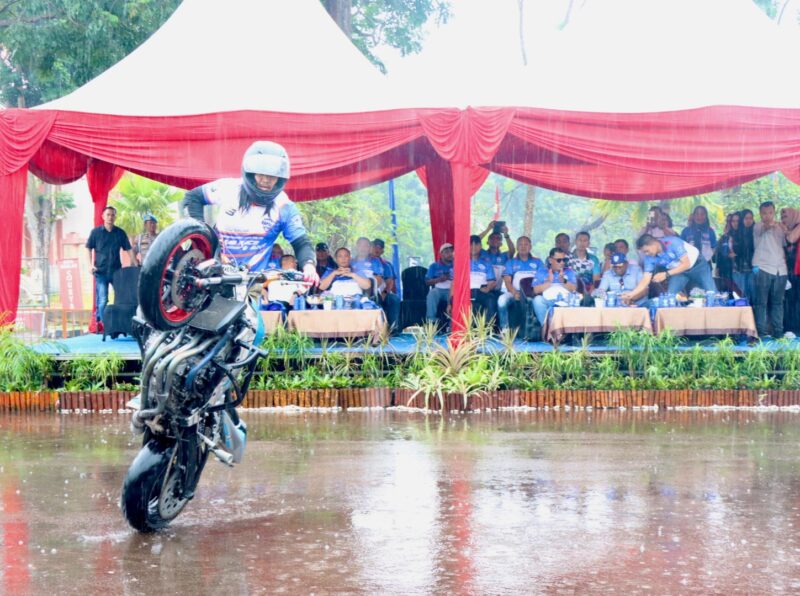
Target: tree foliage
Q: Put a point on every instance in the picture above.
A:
(397, 23)
(136, 196)
(48, 48)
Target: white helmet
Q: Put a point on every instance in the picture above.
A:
(268, 158)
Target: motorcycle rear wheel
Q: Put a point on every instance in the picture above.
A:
(167, 299)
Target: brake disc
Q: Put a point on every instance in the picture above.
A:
(181, 290)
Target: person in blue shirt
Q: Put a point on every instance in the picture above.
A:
(482, 279)
(672, 260)
(522, 266)
(439, 278)
(389, 276)
(622, 277)
(371, 267)
(557, 280)
(344, 279)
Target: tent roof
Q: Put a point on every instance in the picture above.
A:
(281, 56)
(614, 56)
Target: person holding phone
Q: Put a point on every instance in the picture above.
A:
(550, 283)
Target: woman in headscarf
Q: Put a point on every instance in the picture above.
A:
(742, 255)
(700, 234)
(790, 220)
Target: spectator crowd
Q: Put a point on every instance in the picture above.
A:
(754, 258)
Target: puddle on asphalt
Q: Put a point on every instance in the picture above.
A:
(396, 502)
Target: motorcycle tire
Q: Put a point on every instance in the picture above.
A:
(149, 475)
(183, 244)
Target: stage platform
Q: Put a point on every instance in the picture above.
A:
(400, 345)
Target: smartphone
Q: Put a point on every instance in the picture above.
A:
(498, 227)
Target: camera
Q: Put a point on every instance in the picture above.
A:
(498, 227)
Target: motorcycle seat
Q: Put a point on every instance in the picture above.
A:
(218, 315)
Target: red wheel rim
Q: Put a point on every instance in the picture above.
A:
(199, 242)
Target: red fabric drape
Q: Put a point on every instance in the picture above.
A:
(101, 178)
(614, 156)
(12, 194)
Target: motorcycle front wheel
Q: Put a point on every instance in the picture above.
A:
(149, 499)
(167, 295)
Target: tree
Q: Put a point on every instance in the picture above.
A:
(397, 23)
(137, 196)
(51, 47)
(44, 204)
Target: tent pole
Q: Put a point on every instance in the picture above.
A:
(461, 261)
(395, 248)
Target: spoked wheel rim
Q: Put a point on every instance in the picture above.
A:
(180, 299)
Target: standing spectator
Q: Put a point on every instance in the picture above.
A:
(724, 253)
(621, 245)
(439, 279)
(678, 263)
(104, 244)
(481, 279)
(550, 283)
(742, 255)
(562, 243)
(324, 260)
(790, 219)
(770, 239)
(142, 242)
(585, 265)
(659, 224)
(522, 266)
(700, 234)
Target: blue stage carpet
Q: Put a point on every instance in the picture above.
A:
(400, 345)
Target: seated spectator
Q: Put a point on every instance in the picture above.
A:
(680, 263)
(365, 264)
(289, 263)
(389, 277)
(439, 279)
(481, 279)
(522, 266)
(324, 260)
(551, 283)
(622, 277)
(343, 280)
(585, 265)
(387, 293)
(275, 259)
(563, 244)
(608, 250)
(700, 234)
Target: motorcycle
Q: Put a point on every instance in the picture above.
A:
(198, 330)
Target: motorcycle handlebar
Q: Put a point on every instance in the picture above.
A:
(245, 276)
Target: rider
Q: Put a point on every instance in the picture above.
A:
(254, 211)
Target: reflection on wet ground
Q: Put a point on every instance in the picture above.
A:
(392, 502)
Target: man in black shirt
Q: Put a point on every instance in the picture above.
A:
(104, 245)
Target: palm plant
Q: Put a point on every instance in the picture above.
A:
(24, 369)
